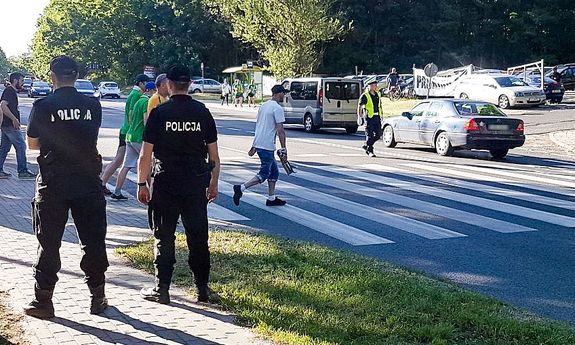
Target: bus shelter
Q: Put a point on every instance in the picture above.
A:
(246, 74)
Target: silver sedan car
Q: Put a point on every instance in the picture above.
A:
(453, 124)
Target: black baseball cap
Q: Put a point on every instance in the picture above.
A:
(179, 73)
(279, 89)
(141, 78)
(64, 65)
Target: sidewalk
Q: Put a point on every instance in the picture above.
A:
(129, 319)
(564, 139)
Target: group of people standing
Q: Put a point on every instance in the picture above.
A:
(239, 92)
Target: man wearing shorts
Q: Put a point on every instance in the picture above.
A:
(134, 95)
(134, 138)
(269, 124)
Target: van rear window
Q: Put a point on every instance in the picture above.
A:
(303, 90)
(342, 90)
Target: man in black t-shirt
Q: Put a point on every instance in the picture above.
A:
(11, 134)
(64, 127)
(181, 134)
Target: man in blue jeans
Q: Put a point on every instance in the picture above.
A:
(11, 134)
(269, 124)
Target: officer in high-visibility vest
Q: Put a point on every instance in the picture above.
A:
(370, 108)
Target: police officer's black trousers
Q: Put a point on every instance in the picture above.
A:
(373, 131)
(49, 216)
(163, 213)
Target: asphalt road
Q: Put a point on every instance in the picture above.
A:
(502, 228)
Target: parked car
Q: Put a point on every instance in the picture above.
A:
(84, 87)
(567, 72)
(322, 102)
(108, 89)
(554, 91)
(501, 89)
(205, 85)
(448, 125)
(39, 88)
(26, 85)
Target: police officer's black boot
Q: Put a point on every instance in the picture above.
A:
(41, 307)
(159, 293)
(98, 302)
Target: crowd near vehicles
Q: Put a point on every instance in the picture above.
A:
(452, 124)
(554, 91)
(501, 89)
(39, 88)
(205, 85)
(108, 89)
(322, 102)
(567, 72)
(84, 87)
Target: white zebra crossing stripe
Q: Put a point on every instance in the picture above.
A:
(476, 186)
(515, 175)
(525, 212)
(419, 205)
(310, 220)
(480, 177)
(379, 216)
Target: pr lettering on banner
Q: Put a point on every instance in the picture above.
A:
(442, 85)
(183, 126)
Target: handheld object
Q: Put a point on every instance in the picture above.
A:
(282, 154)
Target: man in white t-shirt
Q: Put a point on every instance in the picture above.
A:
(269, 124)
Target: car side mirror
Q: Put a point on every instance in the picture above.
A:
(407, 114)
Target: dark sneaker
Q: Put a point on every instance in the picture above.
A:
(237, 194)
(276, 202)
(206, 295)
(364, 147)
(40, 310)
(156, 294)
(371, 154)
(26, 175)
(5, 174)
(107, 191)
(98, 300)
(118, 197)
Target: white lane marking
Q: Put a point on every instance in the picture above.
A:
(215, 211)
(232, 158)
(525, 212)
(326, 226)
(540, 179)
(310, 155)
(419, 205)
(234, 149)
(233, 129)
(349, 155)
(387, 219)
(510, 193)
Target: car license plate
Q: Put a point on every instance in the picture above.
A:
(42, 93)
(498, 127)
(556, 91)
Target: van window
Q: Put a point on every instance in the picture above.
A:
(342, 90)
(304, 90)
(351, 90)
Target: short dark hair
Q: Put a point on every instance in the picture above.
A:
(15, 76)
(180, 85)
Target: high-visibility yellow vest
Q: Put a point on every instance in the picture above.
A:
(369, 106)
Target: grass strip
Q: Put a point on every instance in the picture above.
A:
(300, 293)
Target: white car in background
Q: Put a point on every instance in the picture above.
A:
(501, 89)
(205, 85)
(108, 89)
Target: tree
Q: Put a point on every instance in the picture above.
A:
(290, 34)
(5, 66)
(21, 63)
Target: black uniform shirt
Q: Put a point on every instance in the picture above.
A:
(67, 125)
(180, 131)
(9, 95)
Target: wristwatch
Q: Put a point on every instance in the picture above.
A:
(142, 184)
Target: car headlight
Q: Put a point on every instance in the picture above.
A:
(519, 94)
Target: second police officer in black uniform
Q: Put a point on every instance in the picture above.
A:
(64, 127)
(182, 136)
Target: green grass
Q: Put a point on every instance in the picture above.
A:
(300, 293)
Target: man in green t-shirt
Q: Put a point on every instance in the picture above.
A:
(134, 134)
(136, 92)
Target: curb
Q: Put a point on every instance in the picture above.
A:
(564, 139)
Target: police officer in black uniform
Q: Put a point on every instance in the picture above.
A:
(64, 127)
(182, 136)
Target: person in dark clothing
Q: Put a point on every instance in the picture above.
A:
(64, 127)
(392, 79)
(11, 134)
(181, 134)
(370, 108)
(556, 75)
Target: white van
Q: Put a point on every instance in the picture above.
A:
(322, 102)
(501, 89)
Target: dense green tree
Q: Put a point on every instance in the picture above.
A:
(5, 66)
(21, 63)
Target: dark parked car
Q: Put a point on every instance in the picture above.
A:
(567, 72)
(453, 124)
(39, 88)
(554, 91)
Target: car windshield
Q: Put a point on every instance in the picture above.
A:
(85, 85)
(509, 81)
(477, 109)
(40, 84)
(537, 80)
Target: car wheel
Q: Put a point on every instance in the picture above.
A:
(442, 145)
(351, 129)
(499, 154)
(308, 124)
(503, 102)
(463, 96)
(197, 91)
(388, 137)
